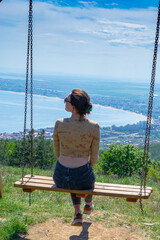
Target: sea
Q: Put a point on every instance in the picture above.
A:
(47, 110)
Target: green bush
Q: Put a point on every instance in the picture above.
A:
(98, 167)
(154, 173)
(122, 160)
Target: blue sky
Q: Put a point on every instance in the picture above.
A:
(124, 4)
(110, 39)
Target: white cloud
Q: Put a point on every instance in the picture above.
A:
(88, 4)
(130, 42)
(78, 41)
(124, 24)
(111, 4)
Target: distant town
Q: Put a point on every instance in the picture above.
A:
(130, 134)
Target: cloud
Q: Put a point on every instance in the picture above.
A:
(88, 4)
(123, 24)
(111, 4)
(123, 41)
(125, 33)
(78, 41)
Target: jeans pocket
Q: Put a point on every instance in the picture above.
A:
(86, 183)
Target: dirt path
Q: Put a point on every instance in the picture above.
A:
(57, 229)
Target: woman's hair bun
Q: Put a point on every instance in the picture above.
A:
(81, 101)
(89, 107)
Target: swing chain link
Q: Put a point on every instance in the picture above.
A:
(30, 32)
(149, 115)
(29, 60)
(31, 72)
(30, 199)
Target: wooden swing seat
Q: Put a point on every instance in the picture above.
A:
(130, 192)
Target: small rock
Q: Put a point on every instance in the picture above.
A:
(148, 224)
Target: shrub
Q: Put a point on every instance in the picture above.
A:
(154, 173)
(122, 160)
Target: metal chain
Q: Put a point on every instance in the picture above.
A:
(30, 198)
(29, 60)
(150, 107)
(31, 84)
(31, 72)
(26, 88)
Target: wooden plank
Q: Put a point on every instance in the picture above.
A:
(121, 185)
(92, 192)
(97, 183)
(97, 186)
(132, 200)
(39, 177)
(28, 190)
(81, 195)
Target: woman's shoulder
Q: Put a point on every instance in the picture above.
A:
(93, 123)
(62, 120)
(94, 128)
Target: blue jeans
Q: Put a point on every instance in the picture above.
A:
(80, 178)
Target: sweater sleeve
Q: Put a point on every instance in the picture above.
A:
(94, 151)
(56, 140)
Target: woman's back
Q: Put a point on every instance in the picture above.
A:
(75, 138)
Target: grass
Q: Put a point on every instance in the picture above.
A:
(16, 216)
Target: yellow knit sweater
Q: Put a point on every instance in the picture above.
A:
(76, 138)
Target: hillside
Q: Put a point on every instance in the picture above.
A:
(154, 150)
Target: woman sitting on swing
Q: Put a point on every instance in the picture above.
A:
(76, 145)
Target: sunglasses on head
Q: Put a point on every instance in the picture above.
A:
(66, 100)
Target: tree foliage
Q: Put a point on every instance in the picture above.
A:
(122, 160)
(154, 172)
(11, 152)
(154, 150)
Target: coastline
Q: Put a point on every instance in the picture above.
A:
(23, 93)
(121, 110)
(144, 118)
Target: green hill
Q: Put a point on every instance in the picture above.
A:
(154, 150)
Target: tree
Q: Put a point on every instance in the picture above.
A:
(11, 152)
(122, 160)
(43, 154)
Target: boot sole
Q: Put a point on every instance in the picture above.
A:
(76, 222)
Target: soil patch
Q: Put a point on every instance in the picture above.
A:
(57, 229)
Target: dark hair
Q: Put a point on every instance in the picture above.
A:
(81, 101)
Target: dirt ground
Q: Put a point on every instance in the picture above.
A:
(57, 229)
